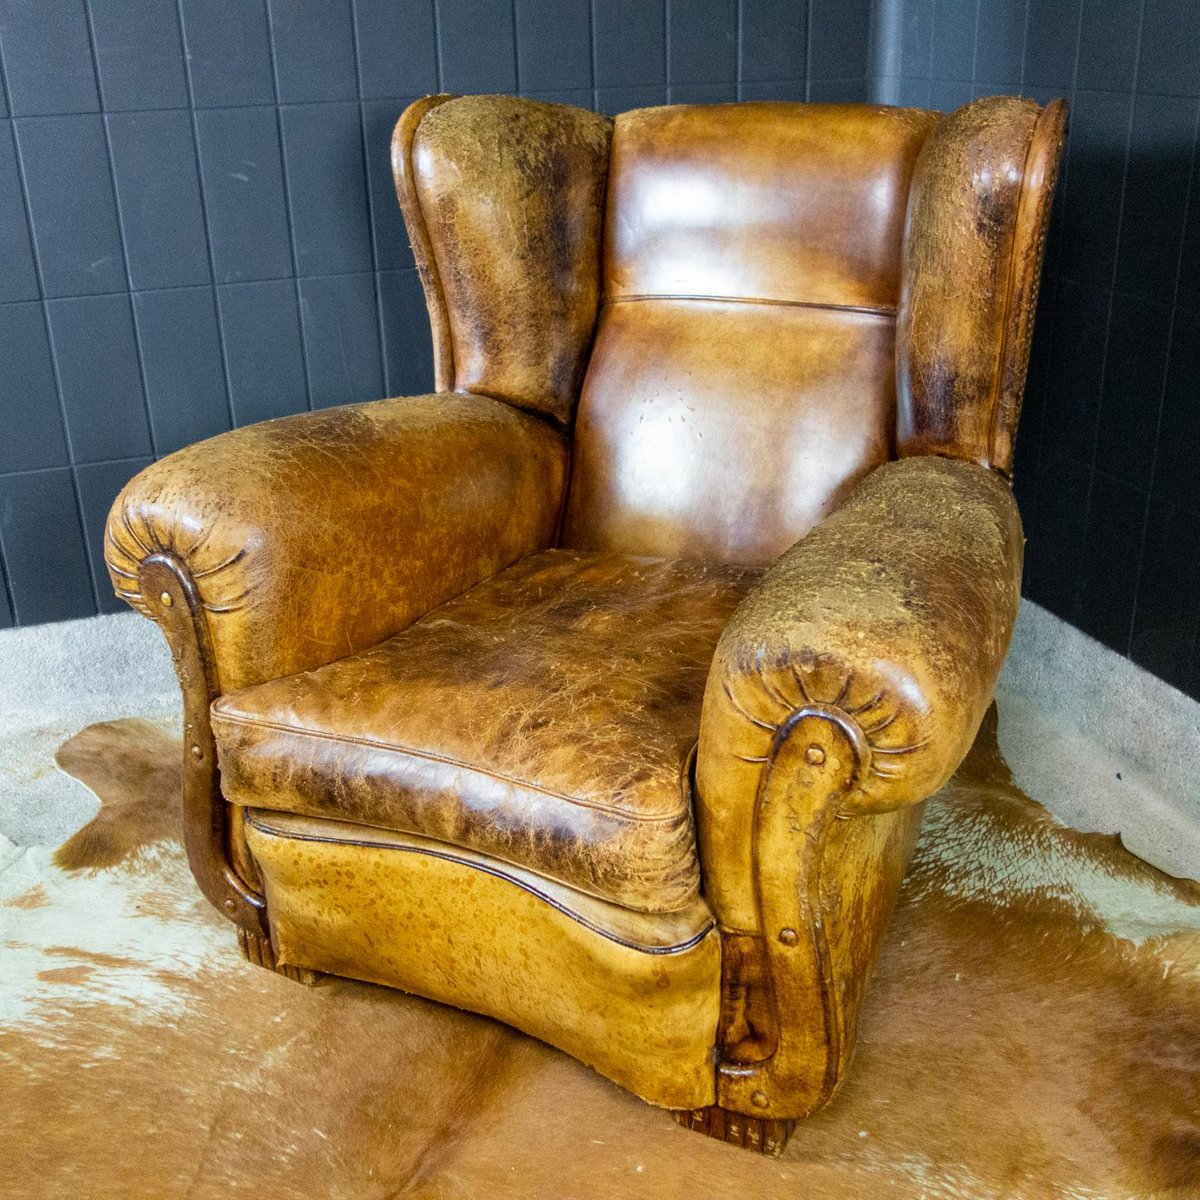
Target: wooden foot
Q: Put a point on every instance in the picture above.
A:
(259, 951)
(767, 1135)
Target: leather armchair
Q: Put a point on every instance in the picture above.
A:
(601, 691)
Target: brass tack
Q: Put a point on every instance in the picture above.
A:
(815, 755)
(230, 906)
(197, 752)
(166, 600)
(789, 937)
(759, 1100)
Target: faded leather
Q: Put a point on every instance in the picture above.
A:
(458, 928)
(897, 612)
(973, 248)
(726, 431)
(742, 380)
(315, 536)
(545, 718)
(684, 348)
(707, 201)
(511, 195)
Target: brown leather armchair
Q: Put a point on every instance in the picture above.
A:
(601, 691)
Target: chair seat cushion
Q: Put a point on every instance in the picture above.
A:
(544, 718)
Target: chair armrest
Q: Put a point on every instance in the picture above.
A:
(279, 547)
(846, 689)
(312, 537)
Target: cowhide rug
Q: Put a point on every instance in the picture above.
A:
(1033, 1031)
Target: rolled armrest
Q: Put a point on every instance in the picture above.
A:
(282, 546)
(889, 623)
(312, 537)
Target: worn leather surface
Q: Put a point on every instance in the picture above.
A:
(443, 928)
(651, 933)
(726, 431)
(545, 719)
(1038, 184)
(405, 177)
(730, 318)
(511, 192)
(315, 536)
(794, 203)
(960, 264)
(742, 377)
(896, 611)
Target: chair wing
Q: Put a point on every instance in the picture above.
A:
(504, 202)
(973, 248)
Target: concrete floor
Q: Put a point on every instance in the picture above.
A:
(1102, 744)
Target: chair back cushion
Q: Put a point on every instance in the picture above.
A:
(742, 377)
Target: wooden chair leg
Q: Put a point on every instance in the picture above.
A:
(258, 950)
(767, 1135)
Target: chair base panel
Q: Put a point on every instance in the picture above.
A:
(418, 916)
(258, 950)
(767, 1135)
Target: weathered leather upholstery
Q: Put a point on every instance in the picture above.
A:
(741, 380)
(289, 528)
(545, 718)
(601, 691)
(922, 567)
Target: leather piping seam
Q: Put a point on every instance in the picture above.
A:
(869, 310)
(443, 347)
(496, 873)
(447, 760)
(1010, 286)
(1025, 198)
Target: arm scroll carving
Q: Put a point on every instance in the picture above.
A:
(816, 759)
(845, 691)
(168, 593)
(279, 547)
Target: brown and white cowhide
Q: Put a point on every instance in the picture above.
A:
(1033, 1031)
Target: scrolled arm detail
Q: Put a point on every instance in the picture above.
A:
(282, 546)
(846, 689)
(894, 613)
(224, 873)
(312, 537)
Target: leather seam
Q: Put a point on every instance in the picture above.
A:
(496, 873)
(1010, 285)
(443, 346)
(1044, 201)
(869, 310)
(447, 760)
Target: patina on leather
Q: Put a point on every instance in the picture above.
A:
(529, 779)
(973, 248)
(742, 377)
(315, 536)
(510, 194)
(849, 684)
(896, 611)
(536, 956)
(545, 718)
